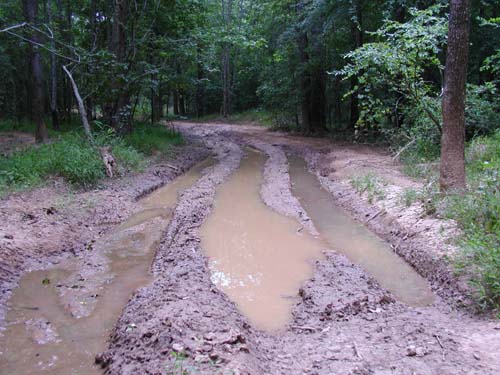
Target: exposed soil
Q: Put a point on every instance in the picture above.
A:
(343, 322)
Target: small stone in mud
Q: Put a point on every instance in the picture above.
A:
(413, 351)
(103, 360)
(178, 348)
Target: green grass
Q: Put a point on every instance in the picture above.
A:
(477, 213)
(369, 184)
(409, 197)
(70, 156)
(150, 139)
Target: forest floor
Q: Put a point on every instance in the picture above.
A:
(343, 322)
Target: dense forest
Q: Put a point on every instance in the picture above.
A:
(369, 68)
(249, 186)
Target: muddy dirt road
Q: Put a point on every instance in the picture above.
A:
(263, 261)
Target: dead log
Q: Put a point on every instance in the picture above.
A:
(108, 160)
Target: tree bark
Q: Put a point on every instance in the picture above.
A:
(227, 11)
(53, 72)
(30, 13)
(357, 39)
(200, 91)
(182, 104)
(119, 112)
(176, 102)
(305, 83)
(452, 169)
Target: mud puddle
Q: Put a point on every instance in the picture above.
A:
(43, 336)
(355, 241)
(257, 257)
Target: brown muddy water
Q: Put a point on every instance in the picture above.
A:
(257, 257)
(43, 337)
(352, 239)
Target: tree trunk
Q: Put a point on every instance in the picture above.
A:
(227, 11)
(357, 39)
(119, 112)
(30, 13)
(305, 84)
(452, 170)
(182, 104)
(81, 106)
(176, 102)
(53, 72)
(200, 92)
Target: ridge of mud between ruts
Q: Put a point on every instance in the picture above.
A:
(344, 323)
(37, 236)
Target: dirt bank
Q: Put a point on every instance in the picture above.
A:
(344, 323)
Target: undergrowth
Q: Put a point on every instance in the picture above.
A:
(71, 156)
(369, 184)
(477, 213)
(150, 139)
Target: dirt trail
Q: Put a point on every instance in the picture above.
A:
(342, 321)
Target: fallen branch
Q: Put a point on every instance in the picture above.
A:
(81, 106)
(374, 216)
(172, 167)
(404, 149)
(305, 328)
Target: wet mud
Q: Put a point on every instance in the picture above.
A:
(340, 319)
(60, 319)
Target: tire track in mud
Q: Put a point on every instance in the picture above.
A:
(344, 323)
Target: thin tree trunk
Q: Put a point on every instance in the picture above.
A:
(305, 84)
(227, 11)
(176, 102)
(31, 12)
(81, 105)
(182, 104)
(357, 38)
(200, 94)
(452, 170)
(53, 73)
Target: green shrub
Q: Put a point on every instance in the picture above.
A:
(370, 184)
(409, 196)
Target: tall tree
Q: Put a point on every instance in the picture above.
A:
(452, 170)
(227, 12)
(53, 70)
(30, 14)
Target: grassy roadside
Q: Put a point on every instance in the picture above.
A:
(70, 156)
(477, 213)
